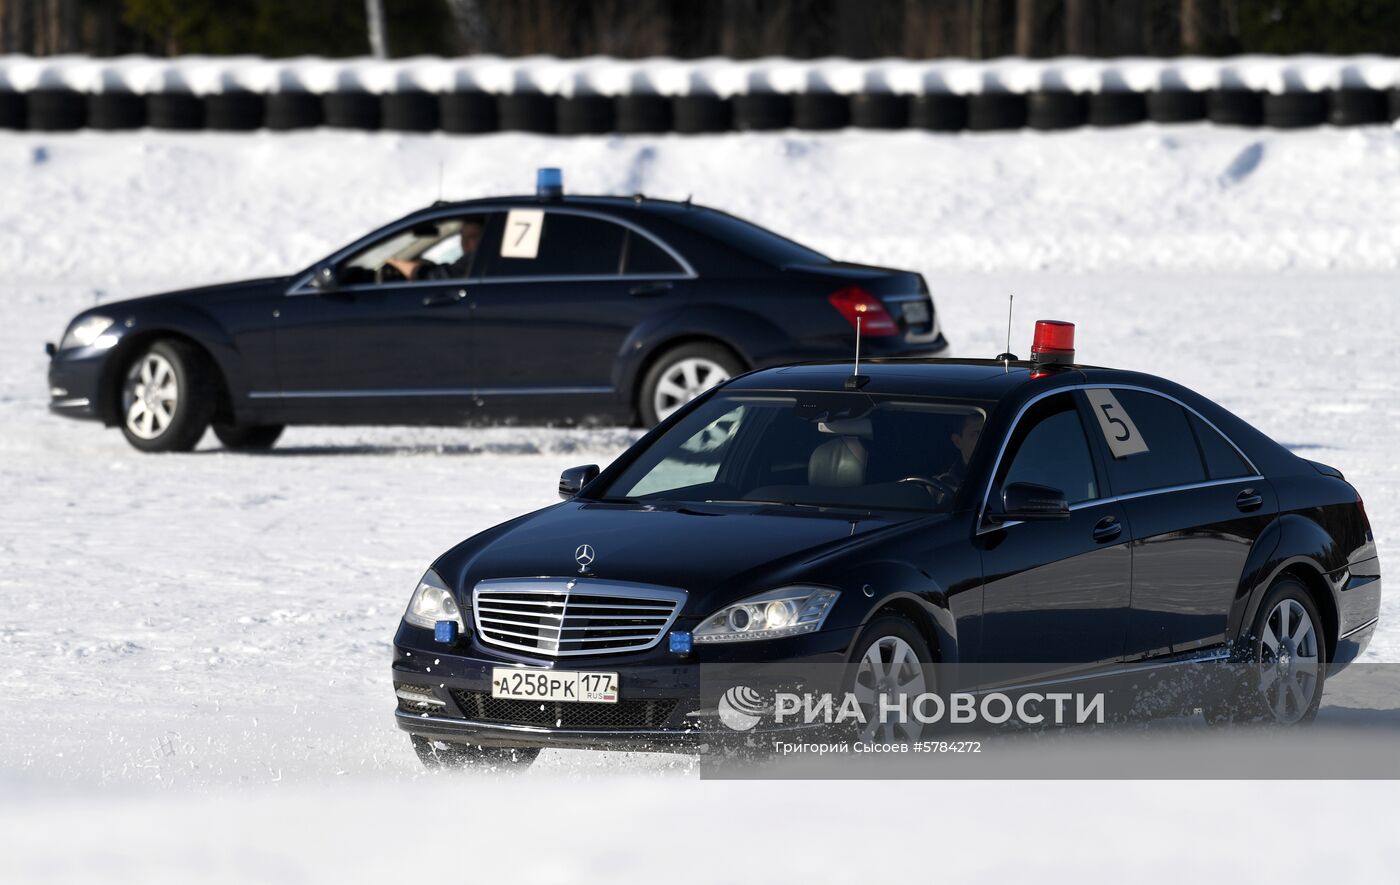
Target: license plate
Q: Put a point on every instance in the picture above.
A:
(916, 313)
(574, 686)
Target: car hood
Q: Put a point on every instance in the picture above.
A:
(717, 553)
(214, 294)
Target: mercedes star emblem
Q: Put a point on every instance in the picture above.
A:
(584, 556)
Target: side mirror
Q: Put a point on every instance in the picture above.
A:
(1024, 501)
(324, 279)
(575, 478)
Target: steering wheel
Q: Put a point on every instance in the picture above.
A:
(938, 488)
(387, 273)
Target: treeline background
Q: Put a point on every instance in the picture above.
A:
(698, 28)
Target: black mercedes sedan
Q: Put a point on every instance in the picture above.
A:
(532, 309)
(1033, 522)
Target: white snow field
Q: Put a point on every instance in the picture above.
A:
(194, 648)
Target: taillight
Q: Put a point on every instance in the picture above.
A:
(875, 321)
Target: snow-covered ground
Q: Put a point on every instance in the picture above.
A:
(194, 649)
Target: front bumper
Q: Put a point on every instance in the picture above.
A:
(662, 703)
(75, 379)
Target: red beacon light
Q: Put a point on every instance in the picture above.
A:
(1053, 344)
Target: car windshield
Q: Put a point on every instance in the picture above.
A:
(839, 450)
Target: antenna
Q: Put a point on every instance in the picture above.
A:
(857, 380)
(856, 370)
(1007, 356)
(439, 199)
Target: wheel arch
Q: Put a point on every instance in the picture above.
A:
(115, 367)
(1301, 546)
(934, 624)
(742, 332)
(654, 355)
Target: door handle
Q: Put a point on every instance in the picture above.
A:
(442, 298)
(1107, 529)
(1249, 500)
(654, 288)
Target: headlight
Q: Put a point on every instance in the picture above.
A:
(433, 602)
(85, 331)
(788, 611)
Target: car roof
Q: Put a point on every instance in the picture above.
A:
(637, 202)
(959, 379)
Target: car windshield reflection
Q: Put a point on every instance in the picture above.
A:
(848, 451)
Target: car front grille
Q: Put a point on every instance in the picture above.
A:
(626, 714)
(568, 617)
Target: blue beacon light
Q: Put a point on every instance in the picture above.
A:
(549, 183)
(445, 631)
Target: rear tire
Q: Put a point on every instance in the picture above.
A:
(1285, 662)
(442, 755)
(167, 397)
(248, 438)
(680, 375)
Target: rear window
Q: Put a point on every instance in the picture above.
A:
(747, 237)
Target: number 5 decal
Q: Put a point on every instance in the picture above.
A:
(1118, 428)
(522, 234)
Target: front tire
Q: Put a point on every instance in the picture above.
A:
(680, 375)
(891, 658)
(166, 397)
(443, 755)
(248, 438)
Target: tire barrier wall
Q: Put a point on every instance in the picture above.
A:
(600, 96)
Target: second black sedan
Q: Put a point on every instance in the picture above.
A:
(1033, 524)
(542, 308)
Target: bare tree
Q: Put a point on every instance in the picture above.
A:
(1077, 27)
(1025, 27)
(473, 29)
(374, 20)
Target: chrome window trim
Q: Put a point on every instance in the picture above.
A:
(432, 391)
(554, 586)
(982, 527)
(301, 286)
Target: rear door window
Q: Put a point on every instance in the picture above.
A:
(565, 245)
(1149, 440)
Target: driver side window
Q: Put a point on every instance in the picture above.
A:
(1049, 448)
(440, 249)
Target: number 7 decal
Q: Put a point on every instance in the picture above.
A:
(522, 234)
(1118, 428)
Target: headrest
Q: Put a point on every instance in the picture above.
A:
(839, 462)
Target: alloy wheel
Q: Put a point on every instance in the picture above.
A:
(889, 667)
(1289, 662)
(683, 381)
(150, 396)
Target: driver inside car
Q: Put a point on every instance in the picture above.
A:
(964, 439)
(423, 269)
